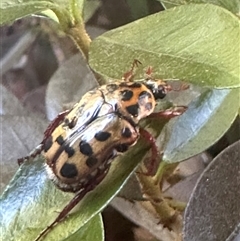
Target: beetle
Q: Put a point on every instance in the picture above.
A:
(80, 144)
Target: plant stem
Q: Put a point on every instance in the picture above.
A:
(159, 174)
(178, 205)
(81, 38)
(154, 194)
(71, 22)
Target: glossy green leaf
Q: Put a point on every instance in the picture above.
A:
(31, 201)
(233, 5)
(50, 14)
(92, 230)
(204, 122)
(11, 10)
(198, 43)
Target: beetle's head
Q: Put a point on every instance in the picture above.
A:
(159, 88)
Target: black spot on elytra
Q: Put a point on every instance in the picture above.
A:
(66, 122)
(126, 132)
(69, 150)
(69, 170)
(135, 85)
(131, 85)
(144, 94)
(123, 84)
(133, 110)
(122, 147)
(85, 148)
(91, 161)
(47, 144)
(143, 97)
(102, 135)
(112, 87)
(126, 95)
(73, 122)
(148, 106)
(60, 140)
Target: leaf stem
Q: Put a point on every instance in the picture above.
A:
(72, 24)
(153, 193)
(160, 172)
(178, 205)
(81, 38)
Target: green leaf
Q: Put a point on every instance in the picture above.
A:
(49, 13)
(198, 43)
(64, 12)
(11, 10)
(92, 230)
(86, 8)
(233, 5)
(31, 201)
(204, 122)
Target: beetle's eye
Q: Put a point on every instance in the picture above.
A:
(160, 92)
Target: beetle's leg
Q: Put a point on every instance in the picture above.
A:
(169, 113)
(33, 154)
(183, 85)
(154, 149)
(128, 76)
(168, 87)
(149, 73)
(52, 126)
(76, 199)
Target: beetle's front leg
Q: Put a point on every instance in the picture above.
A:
(128, 76)
(169, 113)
